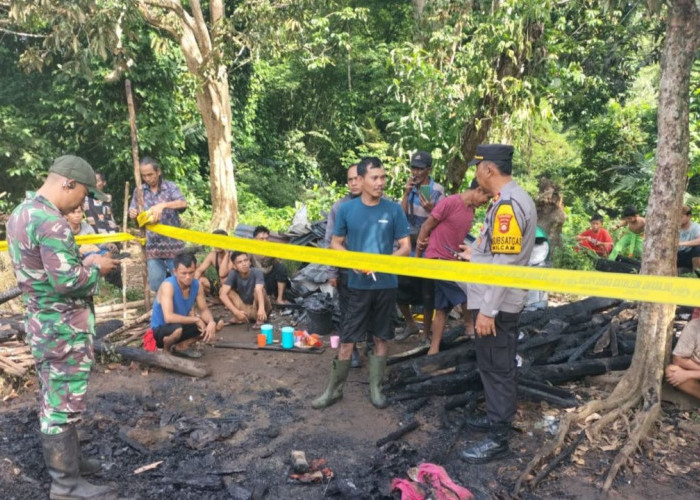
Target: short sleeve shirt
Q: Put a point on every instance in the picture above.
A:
(371, 229)
(688, 345)
(245, 287)
(416, 214)
(157, 246)
(688, 234)
(454, 222)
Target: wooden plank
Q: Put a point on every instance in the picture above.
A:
(276, 348)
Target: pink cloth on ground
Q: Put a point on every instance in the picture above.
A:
(444, 488)
(409, 490)
(455, 220)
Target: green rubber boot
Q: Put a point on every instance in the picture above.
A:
(377, 367)
(334, 390)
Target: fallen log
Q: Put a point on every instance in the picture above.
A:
(10, 294)
(411, 426)
(159, 359)
(564, 372)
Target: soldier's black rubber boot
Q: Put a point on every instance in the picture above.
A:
(87, 466)
(493, 447)
(377, 366)
(334, 389)
(61, 454)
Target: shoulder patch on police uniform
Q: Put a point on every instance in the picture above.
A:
(507, 236)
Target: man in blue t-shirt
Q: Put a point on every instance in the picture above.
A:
(174, 328)
(371, 224)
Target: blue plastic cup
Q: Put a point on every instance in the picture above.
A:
(287, 337)
(267, 330)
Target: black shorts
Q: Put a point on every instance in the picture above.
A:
(685, 257)
(369, 312)
(448, 295)
(188, 332)
(416, 291)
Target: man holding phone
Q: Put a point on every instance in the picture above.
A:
(420, 196)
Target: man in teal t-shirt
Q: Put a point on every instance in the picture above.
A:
(370, 224)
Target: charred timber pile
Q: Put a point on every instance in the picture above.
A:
(556, 345)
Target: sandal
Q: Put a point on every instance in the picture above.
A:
(187, 353)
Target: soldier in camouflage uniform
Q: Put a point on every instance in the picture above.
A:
(57, 287)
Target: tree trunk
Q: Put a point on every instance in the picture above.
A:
(200, 46)
(639, 390)
(214, 104)
(666, 199)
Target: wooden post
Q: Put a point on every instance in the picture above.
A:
(137, 181)
(124, 273)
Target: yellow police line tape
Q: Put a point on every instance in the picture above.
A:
(94, 239)
(661, 289)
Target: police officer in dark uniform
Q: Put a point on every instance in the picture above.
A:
(507, 237)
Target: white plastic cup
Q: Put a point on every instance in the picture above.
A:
(335, 341)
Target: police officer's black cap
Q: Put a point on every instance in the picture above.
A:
(77, 169)
(501, 154)
(421, 159)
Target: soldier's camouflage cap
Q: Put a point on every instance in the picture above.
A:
(80, 171)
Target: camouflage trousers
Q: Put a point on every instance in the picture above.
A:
(63, 378)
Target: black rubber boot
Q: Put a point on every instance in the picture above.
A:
(355, 360)
(478, 423)
(493, 447)
(377, 366)
(61, 453)
(334, 389)
(87, 466)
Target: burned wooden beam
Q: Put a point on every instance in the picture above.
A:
(564, 372)
(402, 431)
(573, 312)
(10, 294)
(467, 399)
(536, 391)
(442, 385)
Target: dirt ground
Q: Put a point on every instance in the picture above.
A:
(230, 436)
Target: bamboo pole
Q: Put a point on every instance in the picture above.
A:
(124, 273)
(137, 181)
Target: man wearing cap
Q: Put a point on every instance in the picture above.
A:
(164, 202)
(507, 237)
(420, 196)
(688, 241)
(56, 289)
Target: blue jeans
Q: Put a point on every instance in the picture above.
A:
(158, 270)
